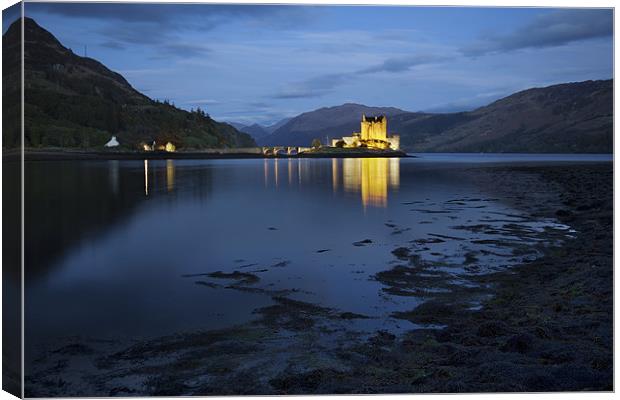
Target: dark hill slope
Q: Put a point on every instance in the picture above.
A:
(73, 101)
(566, 118)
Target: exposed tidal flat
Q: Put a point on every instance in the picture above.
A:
(389, 276)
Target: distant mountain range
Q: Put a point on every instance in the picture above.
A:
(565, 118)
(73, 101)
(259, 131)
(328, 122)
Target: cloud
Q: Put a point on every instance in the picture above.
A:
(146, 23)
(549, 30)
(146, 71)
(401, 64)
(111, 44)
(324, 84)
(395, 35)
(137, 33)
(206, 102)
(146, 12)
(314, 87)
(163, 28)
(186, 50)
(260, 104)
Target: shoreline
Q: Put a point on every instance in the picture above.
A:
(214, 154)
(225, 154)
(547, 324)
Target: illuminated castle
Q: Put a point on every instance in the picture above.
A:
(373, 134)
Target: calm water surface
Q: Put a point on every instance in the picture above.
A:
(123, 248)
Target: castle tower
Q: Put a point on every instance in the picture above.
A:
(373, 133)
(373, 128)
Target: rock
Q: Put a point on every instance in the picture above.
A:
(74, 349)
(492, 329)
(241, 277)
(401, 252)
(519, 343)
(470, 258)
(281, 264)
(350, 315)
(382, 338)
(563, 213)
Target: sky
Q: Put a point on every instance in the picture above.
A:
(262, 63)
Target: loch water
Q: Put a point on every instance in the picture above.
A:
(128, 248)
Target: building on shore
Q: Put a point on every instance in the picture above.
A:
(149, 147)
(169, 147)
(112, 143)
(373, 134)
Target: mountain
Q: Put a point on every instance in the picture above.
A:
(258, 131)
(11, 88)
(73, 101)
(237, 125)
(277, 125)
(566, 118)
(328, 122)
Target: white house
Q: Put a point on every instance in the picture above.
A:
(112, 143)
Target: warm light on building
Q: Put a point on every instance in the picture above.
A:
(170, 147)
(148, 147)
(373, 134)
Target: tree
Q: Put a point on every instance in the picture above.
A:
(340, 144)
(316, 144)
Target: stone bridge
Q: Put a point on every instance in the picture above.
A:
(283, 150)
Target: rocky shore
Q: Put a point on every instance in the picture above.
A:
(547, 325)
(544, 325)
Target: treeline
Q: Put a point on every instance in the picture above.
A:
(72, 101)
(64, 111)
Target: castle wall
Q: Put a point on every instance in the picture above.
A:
(394, 142)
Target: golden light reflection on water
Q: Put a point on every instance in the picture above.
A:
(290, 172)
(371, 177)
(154, 177)
(146, 177)
(335, 175)
(170, 175)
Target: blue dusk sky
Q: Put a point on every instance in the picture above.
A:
(262, 63)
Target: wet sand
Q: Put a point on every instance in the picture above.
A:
(545, 325)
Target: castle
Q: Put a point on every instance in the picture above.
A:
(373, 134)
